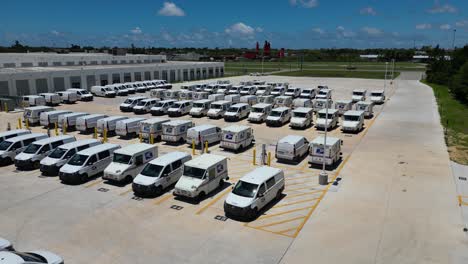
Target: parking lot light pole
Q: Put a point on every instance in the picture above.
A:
(323, 176)
(385, 81)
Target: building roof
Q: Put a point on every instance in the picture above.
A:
(169, 158)
(260, 175)
(98, 148)
(320, 140)
(290, 139)
(235, 128)
(134, 148)
(205, 161)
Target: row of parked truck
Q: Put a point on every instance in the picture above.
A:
(69, 96)
(124, 89)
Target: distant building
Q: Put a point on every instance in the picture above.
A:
(190, 56)
(371, 57)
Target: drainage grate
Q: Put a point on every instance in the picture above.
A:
(462, 178)
(220, 218)
(177, 207)
(103, 190)
(136, 198)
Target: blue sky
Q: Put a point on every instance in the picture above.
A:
(240, 23)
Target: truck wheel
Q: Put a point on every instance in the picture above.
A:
(201, 196)
(36, 165)
(84, 178)
(159, 190)
(129, 179)
(221, 184)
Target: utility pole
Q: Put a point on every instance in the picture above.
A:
(453, 40)
(385, 81)
(323, 176)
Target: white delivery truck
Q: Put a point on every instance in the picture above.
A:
(292, 148)
(185, 95)
(87, 123)
(200, 108)
(285, 101)
(70, 119)
(248, 90)
(180, 108)
(13, 133)
(279, 116)
(332, 153)
(236, 89)
(82, 94)
(130, 102)
(218, 108)
(254, 191)
(353, 121)
(200, 87)
(171, 94)
(237, 112)
(31, 157)
(144, 106)
(377, 96)
(33, 100)
(233, 98)
(159, 174)
(128, 162)
(87, 163)
(301, 102)
(9, 148)
(367, 107)
(331, 122)
(200, 95)
(266, 99)
(320, 104)
(359, 95)
(161, 107)
(176, 131)
(201, 176)
(322, 87)
(216, 97)
(324, 94)
(128, 127)
(211, 88)
(278, 91)
(48, 119)
(237, 137)
(68, 97)
(139, 87)
(51, 164)
(308, 93)
(119, 89)
(157, 93)
(263, 90)
(130, 88)
(203, 133)
(343, 106)
(259, 112)
(301, 117)
(249, 99)
(51, 99)
(224, 88)
(293, 92)
(109, 123)
(33, 114)
(102, 91)
(152, 127)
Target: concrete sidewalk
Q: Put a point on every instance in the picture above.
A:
(397, 202)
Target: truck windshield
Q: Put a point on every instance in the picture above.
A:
(177, 105)
(159, 104)
(78, 160)
(261, 88)
(245, 189)
(194, 172)
(257, 110)
(128, 101)
(324, 115)
(57, 153)
(358, 93)
(152, 170)
(142, 103)
(5, 145)
(121, 158)
(216, 106)
(291, 90)
(234, 109)
(306, 91)
(31, 149)
(199, 105)
(376, 94)
(109, 89)
(277, 90)
(276, 113)
(323, 92)
(299, 114)
(351, 118)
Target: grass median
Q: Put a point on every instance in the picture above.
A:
(337, 74)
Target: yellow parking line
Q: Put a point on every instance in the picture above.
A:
(285, 212)
(163, 199)
(299, 178)
(287, 230)
(94, 183)
(296, 202)
(126, 192)
(300, 194)
(269, 231)
(297, 183)
(299, 189)
(213, 201)
(279, 222)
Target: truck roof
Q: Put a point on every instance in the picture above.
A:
(202, 127)
(239, 104)
(135, 148)
(98, 148)
(364, 103)
(203, 101)
(205, 161)
(183, 101)
(360, 90)
(281, 109)
(303, 110)
(41, 107)
(112, 118)
(79, 143)
(137, 97)
(169, 158)
(58, 112)
(260, 175)
(93, 116)
(353, 113)
(343, 102)
(177, 122)
(27, 136)
(236, 128)
(290, 139)
(155, 120)
(261, 105)
(221, 102)
(75, 114)
(377, 91)
(53, 139)
(12, 132)
(133, 119)
(330, 141)
(330, 111)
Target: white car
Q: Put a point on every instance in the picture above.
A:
(5, 245)
(33, 257)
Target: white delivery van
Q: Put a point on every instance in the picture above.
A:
(285, 101)
(13, 133)
(301, 102)
(128, 162)
(51, 164)
(279, 116)
(324, 94)
(48, 119)
(258, 82)
(119, 89)
(292, 148)
(200, 87)
(211, 88)
(109, 123)
(82, 94)
(302, 117)
(202, 133)
(293, 92)
(245, 83)
(152, 127)
(200, 95)
(331, 122)
(254, 191)
(224, 88)
(68, 97)
(278, 91)
(377, 97)
(259, 112)
(102, 91)
(353, 121)
(248, 90)
(144, 106)
(320, 104)
(180, 108)
(218, 108)
(308, 93)
(171, 94)
(160, 173)
(70, 119)
(321, 87)
(237, 112)
(31, 157)
(367, 107)
(186, 95)
(266, 99)
(130, 88)
(33, 100)
(128, 127)
(130, 102)
(51, 99)
(237, 137)
(87, 123)
(359, 95)
(9, 148)
(248, 99)
(343, 106)
(139, 87)
(176, 131)
(216, 97)
(87, 163)
(200, 108)
(236, 89)
(33, 114)
(157, 93)
(201, 176)
(332, 153)
(161, 107)
(233, 98)
(263, 90)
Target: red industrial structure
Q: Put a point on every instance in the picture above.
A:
(266, 52)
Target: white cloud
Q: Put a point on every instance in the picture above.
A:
(343, 33)
(462, 23)
(304, 3)
(368, 11)
(439, 9)
(136, 30)
(55, 32)
(240, 29)
(372, 30)
(445, 27)
(340, 28)
(423, 26)
(170, 9)
(259, 29)
(318, 30)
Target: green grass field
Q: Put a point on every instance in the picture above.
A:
(454, 118)
(337, 74)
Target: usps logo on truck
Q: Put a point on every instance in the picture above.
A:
(229, 136)
(319, 151)
(148, 155)
(219, 168)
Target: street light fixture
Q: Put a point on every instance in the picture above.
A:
(323, 176)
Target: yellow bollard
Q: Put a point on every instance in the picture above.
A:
(269, 159)
(193, 147)
(56, 129)
(95, 133)
(64, 128)
(105, 135)
(206, 146)
(20, 125)
(151, 139)
(27, 123)
(254, 157)
(6, 107)
(141, 138)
